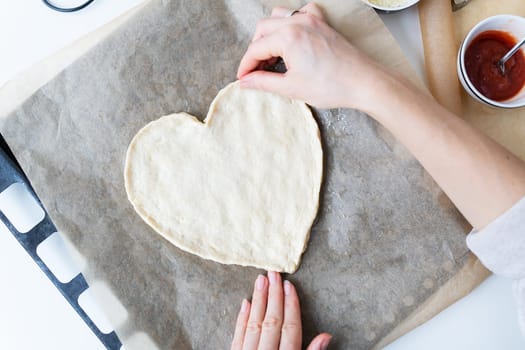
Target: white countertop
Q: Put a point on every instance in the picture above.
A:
(34, 315)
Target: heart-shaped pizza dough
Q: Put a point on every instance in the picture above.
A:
(241, 188)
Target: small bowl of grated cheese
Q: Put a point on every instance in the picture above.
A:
(390, 5)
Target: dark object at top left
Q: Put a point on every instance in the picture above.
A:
(67, 9)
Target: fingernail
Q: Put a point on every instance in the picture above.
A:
(272, 276)
(244, 305)
(259, 283)
(325, 342)
(287, 287)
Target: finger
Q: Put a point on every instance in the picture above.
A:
(258, 51)
(320, 342)
(257, 311)
(291, 333)
(281, 12)
(269, 25)
(240, 325)
(313, 9)
(264, 26)
(273, 320)
(277, 83)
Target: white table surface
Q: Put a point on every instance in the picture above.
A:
(34, 315)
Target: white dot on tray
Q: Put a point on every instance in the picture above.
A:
(139, 341)
(20, 207)
(103, 307)
(55, 254)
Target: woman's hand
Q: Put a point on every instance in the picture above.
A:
(323, 67)
(273, 320)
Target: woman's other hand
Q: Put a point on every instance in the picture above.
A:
(273, 319)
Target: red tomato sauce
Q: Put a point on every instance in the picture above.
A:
(481, 58)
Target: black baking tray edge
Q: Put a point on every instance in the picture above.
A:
(10, 173)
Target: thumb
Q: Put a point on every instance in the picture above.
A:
(267, 81)
(320, 342)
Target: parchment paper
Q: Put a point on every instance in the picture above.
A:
(385, 239)
(17, 90)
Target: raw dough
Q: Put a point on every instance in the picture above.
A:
(241, 188)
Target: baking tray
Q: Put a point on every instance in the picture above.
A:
(10, 173)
